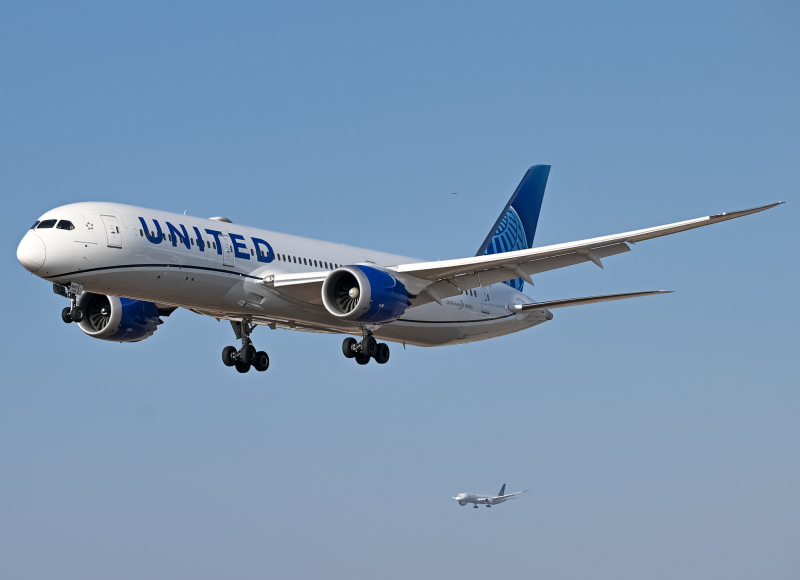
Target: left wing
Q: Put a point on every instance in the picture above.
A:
(588, 300)
(435, 281)
(450, 277)
(510, 495)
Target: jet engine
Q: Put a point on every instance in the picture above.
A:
(117, 319)
(364, 294)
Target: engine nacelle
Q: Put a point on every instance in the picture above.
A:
(117, 319)
(364, 294)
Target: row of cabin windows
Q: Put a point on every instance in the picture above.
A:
(283, 257)
(470, 293)
(307, 262)
(67, 225)
(45, 224)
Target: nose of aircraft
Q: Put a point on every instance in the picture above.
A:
(31, 252)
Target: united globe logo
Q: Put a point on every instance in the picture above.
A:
(510, 236)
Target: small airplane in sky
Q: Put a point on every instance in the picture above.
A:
(487, 500)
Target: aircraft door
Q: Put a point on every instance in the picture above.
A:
(113, 234)
(227, 250)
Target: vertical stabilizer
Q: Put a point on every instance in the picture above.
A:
(502, 490)
(516, 226)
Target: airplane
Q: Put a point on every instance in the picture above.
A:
(124, 268)
(487, 500)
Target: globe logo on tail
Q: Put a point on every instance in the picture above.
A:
(510, 236)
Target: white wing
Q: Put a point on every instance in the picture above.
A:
(587, 300)
(510, 495)
(450, 277)
(434, 281)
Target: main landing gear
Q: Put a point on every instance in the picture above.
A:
(366, 349)
(247, 356)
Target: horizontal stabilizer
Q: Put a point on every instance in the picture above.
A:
(587, 300)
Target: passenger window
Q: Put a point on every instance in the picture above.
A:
(304, 262)
(46, 224)
(141, 233)
(215, 245)
(36, 223)
(251, 253)
(65, 225)
(315, 264)
(193, 241)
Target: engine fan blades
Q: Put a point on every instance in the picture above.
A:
(99, 312)
(344, 300)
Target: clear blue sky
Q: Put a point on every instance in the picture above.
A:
(659, 437)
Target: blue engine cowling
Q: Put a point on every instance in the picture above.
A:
(364, 294)
(117, 319)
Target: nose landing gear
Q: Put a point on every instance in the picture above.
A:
(247, 356)
(366, 349)
(71, 313)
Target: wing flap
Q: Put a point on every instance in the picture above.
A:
(553, 304)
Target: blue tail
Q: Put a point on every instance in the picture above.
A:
(516, 226)
(502, 490)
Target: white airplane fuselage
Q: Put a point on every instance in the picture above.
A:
(473, 498)
(221, 273)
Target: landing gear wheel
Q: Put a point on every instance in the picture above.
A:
(262, 361)
(248, 354)
(242, 368)
(362, 359)
(382, 356)
(348, 347)
(65, 315)
(76, 314)
(369, 346)
(228, 356)
(475, 506)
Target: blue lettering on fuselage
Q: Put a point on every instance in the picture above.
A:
(175, 233)
(154, 238)
(200, 243)
(182, 235)
(236, 245)
(270, 255)
(216, 235)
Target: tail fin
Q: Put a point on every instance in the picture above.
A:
(502, 490)
(516, 226)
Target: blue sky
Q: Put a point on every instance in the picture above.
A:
(659, 437)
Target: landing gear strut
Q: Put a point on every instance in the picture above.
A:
(71, 313)
(366, 349)
(247, 356)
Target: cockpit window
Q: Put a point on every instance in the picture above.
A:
(36, 223)
(65, 225)
(46, 224)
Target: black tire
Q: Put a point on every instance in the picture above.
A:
(348, 347)
(369, 346)
(382, 356)
(65, 315)
(248, 354)
(76, 314)
(362, 359)
(262, 361)
(227, 356)
(242, 368)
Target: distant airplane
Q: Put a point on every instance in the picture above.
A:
(487, 500)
